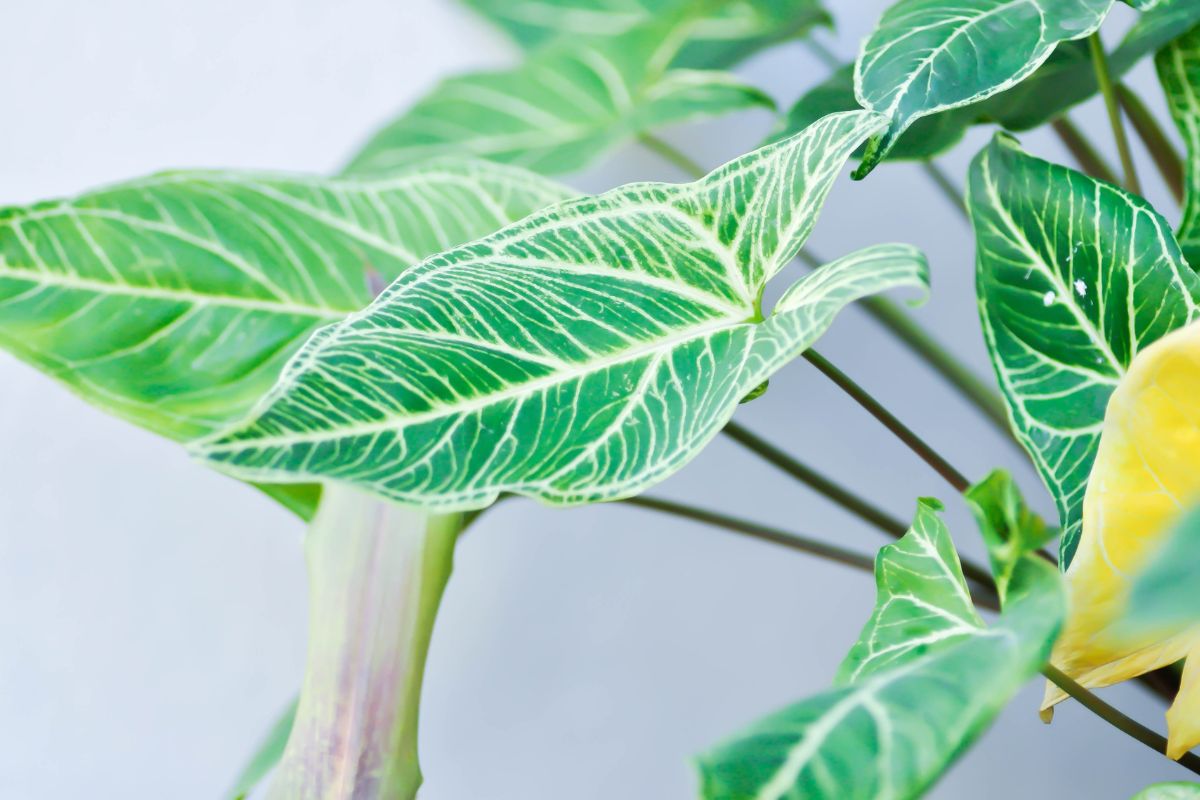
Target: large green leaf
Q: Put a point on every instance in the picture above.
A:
(1074, 277)
(1067, 78)
(562, 107)
(579, 355)
(927, 56)
(721, 33)
(923, 681)
(174, 301)
(1179, 70)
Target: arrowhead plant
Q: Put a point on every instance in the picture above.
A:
(392, 351)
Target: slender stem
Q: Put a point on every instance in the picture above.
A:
(1082, 150)
(855, 504)
(983, 592)
(947, 187)
(823, 53)
(1108, 89)
(845, 498)
(902, 431)
(766, 533)
(1115, 718)
(1158, 144)
(934, 353)
(672, 154)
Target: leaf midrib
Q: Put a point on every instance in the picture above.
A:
(398, 422)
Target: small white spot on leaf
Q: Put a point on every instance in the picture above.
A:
(1081, 288)
(1048, 299)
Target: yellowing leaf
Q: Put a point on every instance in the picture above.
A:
(1146, 475)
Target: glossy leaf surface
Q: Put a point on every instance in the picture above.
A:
(579, 355)
(923, 681)
(928, 56)
(1074, 277)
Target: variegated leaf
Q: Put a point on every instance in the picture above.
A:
(921, 603)
(929, 56)
(174, 301)
(562, 107)
(1074, 277)
(1179, 70)
(924, 680)
(579, 355)
(721, 32)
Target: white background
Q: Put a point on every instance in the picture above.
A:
(152, 614)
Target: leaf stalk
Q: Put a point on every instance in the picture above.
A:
(1112, 105)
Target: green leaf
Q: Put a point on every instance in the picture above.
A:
(922, 602)
(927, 56)
(561, 108)
(1010, 529)
(1170, 791)
(579, 355)
(721, 32)
(1074, 277)
(928, 137)
(923, 681)
(1163, 598)
(174, 301)
(1179, 71)
(267, 755)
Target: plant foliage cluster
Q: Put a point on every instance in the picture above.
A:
(390, 351)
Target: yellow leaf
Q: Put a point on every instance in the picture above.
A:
(1147, 473)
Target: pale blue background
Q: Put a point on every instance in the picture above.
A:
(152, 613)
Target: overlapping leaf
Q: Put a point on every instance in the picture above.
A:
(174, 301)
(923, 681)
(1067, 78)
(1179, 70)
(562, 107)
(579, 355)
(927, 56)
(1074, 277)
(1163, 596)
(722, 32)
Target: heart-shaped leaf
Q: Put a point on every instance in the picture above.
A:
(721, 32)
(174, 301)
(1179, 71)
(924, 680)
(1074, 277)
(579, 355)
(927, 56)
(562, 107)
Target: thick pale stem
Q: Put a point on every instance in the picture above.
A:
(377, 571)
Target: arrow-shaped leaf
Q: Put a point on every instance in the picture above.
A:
(723, 33)
(1075, 276)
(579, 355)
(927, 56)
(174, 301)
(562, 107)
(923, 681)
